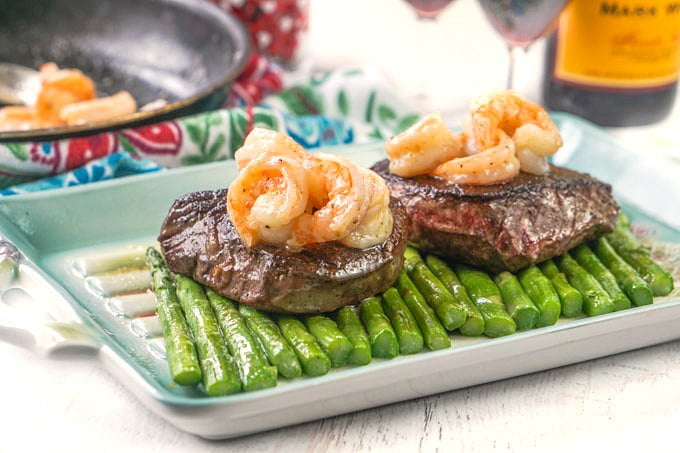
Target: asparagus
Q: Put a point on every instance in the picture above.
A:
(590, 262)
(330, 338)
(570, 299)
(433, 332)
(179, 346)
(486, 295)
(276, 348)
(351, 326)
(451, 314)
(519, 305)
(596, 300)
(405, 326)
(632, 284)
(628, 248)
(543, 294)
(384, 342)
(314, 361)
(220, 374)
(474, 325)
(253, 367)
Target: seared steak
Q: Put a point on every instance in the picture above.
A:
(504, 226)
(199, 240)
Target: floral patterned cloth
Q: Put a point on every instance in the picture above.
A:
(109, 167)
(337, 107)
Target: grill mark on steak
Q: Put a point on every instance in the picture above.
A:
(199, 240)
(506, 226)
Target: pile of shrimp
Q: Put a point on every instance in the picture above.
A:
(503, 133)
(287, 197)
(67, 97)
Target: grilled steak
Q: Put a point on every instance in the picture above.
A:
(504, 226)
(199, 240)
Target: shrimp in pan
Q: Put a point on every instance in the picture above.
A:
(492, 165)
(264, 141)
(266, 197)
(378, 221)
(337, 200)
(419, 149)
(61, 87)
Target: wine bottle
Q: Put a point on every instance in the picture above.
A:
(615, 62)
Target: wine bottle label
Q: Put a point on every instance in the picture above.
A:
(619, 44)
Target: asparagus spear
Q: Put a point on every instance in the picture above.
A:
(384, 342)
(517, 302)
(486, 295)
(596, 300)
(451, 314)
(330, 338)
(408, 334)
(434, 334)
(628, 248)
(220, 375)
(543, 294)
(349, 324)
(570, 299)
(590, 262)
(474, 325)
(179, 346)
(278, 351)
(253, 367)
(632, 284)
(314, 361)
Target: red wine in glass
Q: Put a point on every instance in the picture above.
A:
(521, 22)
(429, 9)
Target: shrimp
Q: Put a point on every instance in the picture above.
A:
(377, 223)
(507, 113)
(263, 141)
(492, 165)
(266, 197)
(535, 135)
(61, 87)
(419, 149)
(100, 109)
(17, 118)
(337, 200)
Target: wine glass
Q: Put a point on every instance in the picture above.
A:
(521, 22)
(427, 12)
(429, 9)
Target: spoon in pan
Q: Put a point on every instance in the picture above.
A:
(18, 84)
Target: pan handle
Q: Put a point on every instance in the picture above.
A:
(33, 314)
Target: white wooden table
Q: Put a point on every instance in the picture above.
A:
(628, 402)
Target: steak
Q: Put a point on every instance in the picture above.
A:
(506, 226)
(199, 240)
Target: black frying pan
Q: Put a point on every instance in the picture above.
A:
(184, 51)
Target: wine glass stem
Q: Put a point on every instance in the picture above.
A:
(511, 66)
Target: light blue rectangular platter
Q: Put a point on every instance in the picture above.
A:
(50, 228)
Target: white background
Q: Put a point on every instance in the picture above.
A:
(628, 402)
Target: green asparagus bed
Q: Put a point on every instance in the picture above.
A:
(231, 347)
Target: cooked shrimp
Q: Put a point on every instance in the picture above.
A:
(506, 113)
(263, 141)
(60, 88)
(419, 149)
(337, 200)
(100, 109)
(377, 223)
(269, 193)
(493, 165)
(18, 118)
